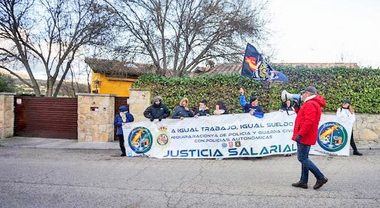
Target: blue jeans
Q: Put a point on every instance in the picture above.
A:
(307, 164)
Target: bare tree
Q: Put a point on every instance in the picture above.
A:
(180, 34)
(47, 34)
(71, 85)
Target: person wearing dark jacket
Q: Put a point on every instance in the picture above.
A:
(157, 110)
(305, 133)
(252, 107)
(182, 110)
(202, 109)
(287, 107)
(122, 117)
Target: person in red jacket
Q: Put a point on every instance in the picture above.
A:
(305, 134)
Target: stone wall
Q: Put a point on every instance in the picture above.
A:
(6, 115)
(96, 117)
(367, 128)
(138, 101)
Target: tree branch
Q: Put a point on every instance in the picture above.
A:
(16, 75)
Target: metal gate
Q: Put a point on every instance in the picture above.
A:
(46, 117)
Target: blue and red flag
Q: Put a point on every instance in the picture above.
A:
(251, 62)
(255, 67)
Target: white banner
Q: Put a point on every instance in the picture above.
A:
(229, 136)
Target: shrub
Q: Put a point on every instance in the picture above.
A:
(361, 85)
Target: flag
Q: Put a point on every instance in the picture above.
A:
(277, 76)
(252, 61)
(255, 67)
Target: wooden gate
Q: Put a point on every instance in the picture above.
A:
(119, 101)
(46, 117)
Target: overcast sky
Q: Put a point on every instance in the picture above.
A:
(320, 31)
(325, 31)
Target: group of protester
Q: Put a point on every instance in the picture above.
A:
(158, 110)
(304, 133)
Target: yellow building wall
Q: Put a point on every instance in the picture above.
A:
(106, 85)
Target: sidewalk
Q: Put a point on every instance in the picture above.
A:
(48, 143)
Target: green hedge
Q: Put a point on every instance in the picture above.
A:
(361, 85)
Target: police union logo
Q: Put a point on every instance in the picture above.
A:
(162, 139)
(140, 140)
(332, 136)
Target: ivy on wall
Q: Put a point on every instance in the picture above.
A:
(361, 85)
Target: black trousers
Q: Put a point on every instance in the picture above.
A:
(121, 143)
(352, 142)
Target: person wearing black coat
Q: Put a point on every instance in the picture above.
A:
(182, 110)
(287, 107)
(157, 110)
(202, 110)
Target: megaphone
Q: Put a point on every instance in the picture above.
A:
(292, 97)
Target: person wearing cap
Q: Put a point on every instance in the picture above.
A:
(346, 112)
(158, 110)
(182, 110)
(253, 106)
(305, 133)
(121, 118)
(202, 109)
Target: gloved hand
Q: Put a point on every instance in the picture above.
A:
(298, 138)
(152, 119)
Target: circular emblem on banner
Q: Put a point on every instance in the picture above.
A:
(332, 136)
(162, 139)
(140, 140)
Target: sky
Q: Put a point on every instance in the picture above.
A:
(324, 31)
(318, 31)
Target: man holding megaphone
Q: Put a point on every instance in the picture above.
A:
(305, 134)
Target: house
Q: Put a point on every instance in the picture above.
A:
(115, 77)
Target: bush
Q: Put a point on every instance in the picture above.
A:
(361, 85)
(6, 83)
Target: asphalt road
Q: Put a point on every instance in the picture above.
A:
(94, 178)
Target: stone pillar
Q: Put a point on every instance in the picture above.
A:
(138, 101)
(7, 115)
(96, 114)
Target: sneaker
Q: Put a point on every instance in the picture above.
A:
(123, 155)
(320, 183)
(299, 184)
(357, 153)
